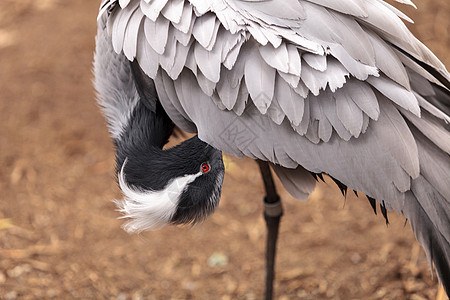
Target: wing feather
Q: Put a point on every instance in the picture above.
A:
(231, 57)
(120, 24)
(388, 62)
(317, 62)
(204, 29)
(354, 39)
(432, 109)
(435, 245)
(366, 121)
(260, 79)
(397, 11)
(290, 102)
(431, 128)
(302, 89)
(173, 11)
(241, 100)
(298, 182)
(166, 84)
(363, 96)
(277, 58)
(328, 104)
(275, 112)
(434, 164)
(389, 27)
(351, 109)
(186, 19)
(325, 129)
(178, 116)
(167, 59)
(302, 128)
(227, 91)
(337, 74)
(313, 79)
(348, 113)
(147, 57)
(357, 69)
(292, 80)
(156, 33)
(312, 134)
(205, 84)
(153, 8)
(294, 61)
(350, 7)
(208, 62)
(124, 3)
(131, 35)
(396, 93)
(395, 135)
(434, 205)
(183, 38)
(420, 84)
(179, 61)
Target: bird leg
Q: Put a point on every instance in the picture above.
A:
(272, 214)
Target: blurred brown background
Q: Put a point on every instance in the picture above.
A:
(59, 233)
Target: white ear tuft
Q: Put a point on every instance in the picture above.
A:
(150, 209)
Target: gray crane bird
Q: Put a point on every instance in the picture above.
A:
(309, 87)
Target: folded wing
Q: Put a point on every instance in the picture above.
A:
(336, 87)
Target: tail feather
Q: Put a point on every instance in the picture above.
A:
(431, 128)
(434, 164)
(433, 204)
(436, 246)
(442, 98)
(427, 205)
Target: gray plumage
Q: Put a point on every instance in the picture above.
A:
(335, 87)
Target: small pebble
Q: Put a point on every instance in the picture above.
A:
(122, 296)
(19, 270)
(137, 296)
(217, 259)
(11, 295)
(190, 286)
(356, 258)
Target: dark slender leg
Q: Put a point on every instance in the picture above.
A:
(272, 214)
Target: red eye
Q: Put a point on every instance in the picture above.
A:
(205, 167)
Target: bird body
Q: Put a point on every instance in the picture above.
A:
(319, 86)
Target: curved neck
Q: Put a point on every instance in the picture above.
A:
(142, 141)
(148, 127)
(164, 186)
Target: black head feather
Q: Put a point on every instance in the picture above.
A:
(149, 168)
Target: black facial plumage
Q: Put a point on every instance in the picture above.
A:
(192, 208)
(149, 168)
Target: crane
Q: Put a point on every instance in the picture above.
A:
(304, 87)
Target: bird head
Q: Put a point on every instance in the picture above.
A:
(180, 185)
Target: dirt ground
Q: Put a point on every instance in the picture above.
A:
(59, 233)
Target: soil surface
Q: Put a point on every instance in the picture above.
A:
(59, 233)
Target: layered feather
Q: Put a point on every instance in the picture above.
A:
(331, 86)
